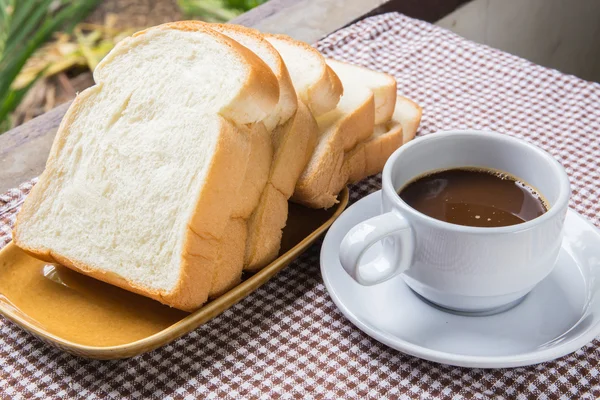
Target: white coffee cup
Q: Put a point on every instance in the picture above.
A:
(463, 268)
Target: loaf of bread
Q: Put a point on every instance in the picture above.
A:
(294, 141)
(145, 171)
(172, 174)
(240, 237)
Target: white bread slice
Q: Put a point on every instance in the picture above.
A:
(253, 40)
(409, 114)
(144, 174)
(340, 130)
(382, 85)
(316, 84)
(293, 141)
(369, 157)
(232, 247)
(266, 229)
(252, 104)
(366, 157)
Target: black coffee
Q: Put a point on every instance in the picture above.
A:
(474, 197)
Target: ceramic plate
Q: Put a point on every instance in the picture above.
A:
(79, 314)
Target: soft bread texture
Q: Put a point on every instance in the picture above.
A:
(293, 137)
(382, 85)
(293, 142)
(368, 158)
(232, 247)
(316, 83)
(340, 130)
(144, 174)
(319, 90)
(253, 40)
(254, 98)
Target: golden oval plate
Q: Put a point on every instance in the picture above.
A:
(92, 319)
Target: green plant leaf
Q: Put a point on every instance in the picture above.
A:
(26, 18)
(14, 97)
(208, 10)
(30, 24)
(243, 5)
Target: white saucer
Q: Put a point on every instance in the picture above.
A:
(559, 316)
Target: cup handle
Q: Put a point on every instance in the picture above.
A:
(364, 235)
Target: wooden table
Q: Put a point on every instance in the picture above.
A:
(23, 150)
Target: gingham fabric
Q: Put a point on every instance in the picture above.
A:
(288, 339)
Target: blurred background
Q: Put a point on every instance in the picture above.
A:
(48, 48)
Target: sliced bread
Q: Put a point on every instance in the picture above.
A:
(253, 40)
(382, 85)
(340, 130)
(316, 84)
(319, 90)
(293, 141)
(145, 173)
(232, 246)
(369, 157)
(293, 135)
(409, 114)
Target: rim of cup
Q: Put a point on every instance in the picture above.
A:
(558, 172)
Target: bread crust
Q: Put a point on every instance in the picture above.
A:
(231, 248)
(287, 103)
(265, 229)
(230, 257)
(324, 94)
(325, 175)
(409, 114)
(385, 102)
(369, 157)
(293, 141)
(385, 95)
(256, 175)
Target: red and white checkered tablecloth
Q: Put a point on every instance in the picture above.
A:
(288, 339)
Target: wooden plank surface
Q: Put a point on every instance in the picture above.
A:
(307, 20)
(23, 150)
